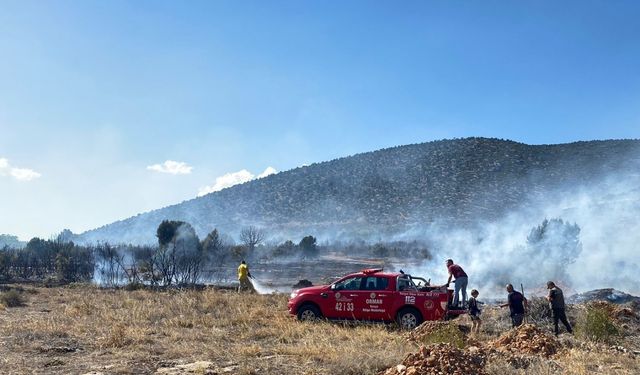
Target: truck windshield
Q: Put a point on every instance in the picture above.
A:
(352, 283)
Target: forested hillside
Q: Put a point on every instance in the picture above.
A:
(458, 182)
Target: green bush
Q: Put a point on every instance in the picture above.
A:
(446, 333)
(596, 324)
(12, 298)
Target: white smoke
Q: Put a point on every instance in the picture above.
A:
(261, 288)
(496, 253)
(234, 178)
(608, 216)
(20, 174)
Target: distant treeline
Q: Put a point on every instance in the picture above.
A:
(45, 260)
(179, 258)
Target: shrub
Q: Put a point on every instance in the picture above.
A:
(135, 285)
(595, 324)
(117, 338)
(538, 310)
(446, 333)
(12, 298)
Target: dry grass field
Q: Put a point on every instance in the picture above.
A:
(87, 330)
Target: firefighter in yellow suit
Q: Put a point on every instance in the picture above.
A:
(243, 277)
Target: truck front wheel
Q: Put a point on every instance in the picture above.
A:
(409, 318)
(308, 313)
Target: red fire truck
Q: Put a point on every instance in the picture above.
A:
(374, 295)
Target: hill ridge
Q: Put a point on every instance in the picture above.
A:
(454, 180)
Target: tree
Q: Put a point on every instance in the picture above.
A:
(285, 249)
(5, 263)
(552, 246)
(251, 237)
(308, 247)
(166, 231)
(65, 236)
(41, 258)
(179, 258)
(165, 257)
(239, 252)
(43, 255)
(380, 250)
(216, 252)
(190, 256)
(109, 262)
(7, 240)
(212, 246)
(144, 259)
(73, 263)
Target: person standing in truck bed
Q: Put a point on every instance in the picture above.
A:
(460, 283)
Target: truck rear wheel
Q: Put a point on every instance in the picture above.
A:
(308, 313)
(409, 318)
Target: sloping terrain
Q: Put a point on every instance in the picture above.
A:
(81, 329)
(452, 181)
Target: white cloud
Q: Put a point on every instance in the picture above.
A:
(24, 174)
(234, 178)
(171, 167)
(20, 174)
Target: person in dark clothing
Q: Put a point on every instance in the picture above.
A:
(474, 312)
(517, 305)
(556, 302)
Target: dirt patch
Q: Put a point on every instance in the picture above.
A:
(526, 339)
(441, 359)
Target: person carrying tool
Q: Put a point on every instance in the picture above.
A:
(556, 302)
(517, 304)
(244, 277)
(460, 283)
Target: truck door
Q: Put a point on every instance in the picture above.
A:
(376, 299)
(345, 299)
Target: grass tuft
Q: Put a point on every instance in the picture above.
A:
(445, 333)
(12, 298)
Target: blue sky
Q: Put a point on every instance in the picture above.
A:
(93, 94)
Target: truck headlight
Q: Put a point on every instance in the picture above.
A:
(294, 294)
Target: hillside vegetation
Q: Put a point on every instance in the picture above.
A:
(453, 181)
